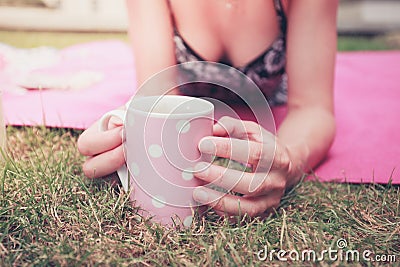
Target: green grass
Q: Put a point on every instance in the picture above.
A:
(51, 215)
(354, 43)
(34, 3)
(59, 40)
(23, 39)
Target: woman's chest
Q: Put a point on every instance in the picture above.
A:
(235, 31)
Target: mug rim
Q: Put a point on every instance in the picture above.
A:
(208, 106)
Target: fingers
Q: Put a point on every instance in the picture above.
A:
(249, 143)
(245, 151)
(263, 156)
(236, 205)
(103, 148)
(104, 164)
(246, 183)
(243, 141)
(231, 180)
(231, 127)
(93, 142)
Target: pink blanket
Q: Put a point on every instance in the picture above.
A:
(367, 92)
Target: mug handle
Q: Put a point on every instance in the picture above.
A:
(103, 126)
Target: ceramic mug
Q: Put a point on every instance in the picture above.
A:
(160, 140)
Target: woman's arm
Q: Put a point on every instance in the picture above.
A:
(309, 128)
(150, 30)
(151, 35)
(305, 135)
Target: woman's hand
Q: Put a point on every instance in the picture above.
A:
(103, 149)
(248, 143)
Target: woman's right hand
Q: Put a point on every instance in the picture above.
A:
(103, 149)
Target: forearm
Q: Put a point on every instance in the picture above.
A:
(308, 133)
(151, 36)
(309, 128)
(153, 73)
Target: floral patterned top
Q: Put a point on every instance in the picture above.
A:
(267, 71)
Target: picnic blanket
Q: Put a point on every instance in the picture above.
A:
(96, 77)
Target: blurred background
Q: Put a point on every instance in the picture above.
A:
(364, 24)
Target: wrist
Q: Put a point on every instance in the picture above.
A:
(298, 155)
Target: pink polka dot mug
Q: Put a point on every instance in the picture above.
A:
(161, 136)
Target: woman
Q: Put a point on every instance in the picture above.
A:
(240, 33)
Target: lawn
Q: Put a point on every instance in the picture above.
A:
(50, 214)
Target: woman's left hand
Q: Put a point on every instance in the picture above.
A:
(248, 143)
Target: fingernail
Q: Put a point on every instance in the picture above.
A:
(200, 195)
(117, 120)
(201, 169)
(122, 135)
(207, 146)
